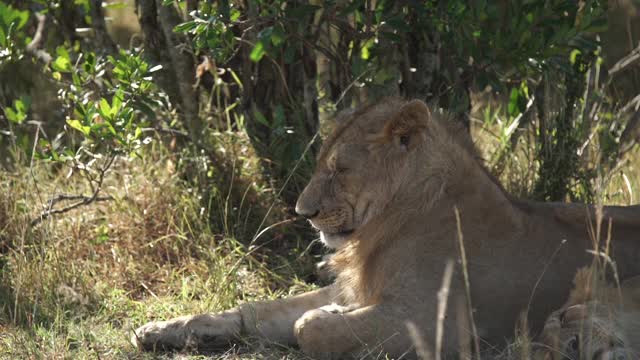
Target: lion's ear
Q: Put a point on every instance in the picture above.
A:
(406, 126)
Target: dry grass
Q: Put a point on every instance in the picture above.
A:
(75, 286)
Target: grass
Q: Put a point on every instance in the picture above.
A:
(76, 285)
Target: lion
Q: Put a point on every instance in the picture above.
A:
(399, 192)
(600, 321)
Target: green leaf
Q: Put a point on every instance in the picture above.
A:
(3, 38)
(574, 55)
(18, 113)
(105, 109)
(23, 104)
(265, 34)
(14, 116)
(364, 52)
(529, 18)
(116, 102)
(185, 27)
(76, 124)
(236, 78)
(260, 118)
(22, 17)
(513, 102)
(114, 5)
(61, 64)
(258, 52)
(12, 18)
(62, 51)
(235, 14)
(279, 117)
(277, 36)
(145, 108)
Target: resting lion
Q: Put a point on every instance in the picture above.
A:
(383, 195)
(600, 321)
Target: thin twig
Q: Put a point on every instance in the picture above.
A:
(544, 271)
(83, 200)
(346, 90)
(164, 130)
(625, 61)
(65, 197)
(463, 258)
(259, 231)
(632, 104)
(422, 350)
(443, 297)
(36, 139)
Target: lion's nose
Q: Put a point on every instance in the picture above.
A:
(308, 213)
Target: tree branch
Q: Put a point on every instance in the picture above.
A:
(33, 48)
(624, 62)
(83, 199)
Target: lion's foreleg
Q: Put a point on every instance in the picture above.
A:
(272, 320)
(326, 334)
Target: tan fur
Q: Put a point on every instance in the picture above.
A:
(383, 194)
(600, 321)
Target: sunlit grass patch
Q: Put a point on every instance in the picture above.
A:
(77, 284)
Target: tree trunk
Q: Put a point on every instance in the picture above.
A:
(163, 46)
(183, 66)
(103, 40)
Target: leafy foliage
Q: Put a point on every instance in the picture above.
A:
(112, 115)
(13, 40)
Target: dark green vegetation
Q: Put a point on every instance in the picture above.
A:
(142, 153)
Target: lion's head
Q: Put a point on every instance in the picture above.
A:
(368, 165)
(599, 322)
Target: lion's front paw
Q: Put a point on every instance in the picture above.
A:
(313, 330)
(160, 335)
(200, 332)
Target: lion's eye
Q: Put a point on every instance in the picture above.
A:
(404, 140)
(574, 344)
